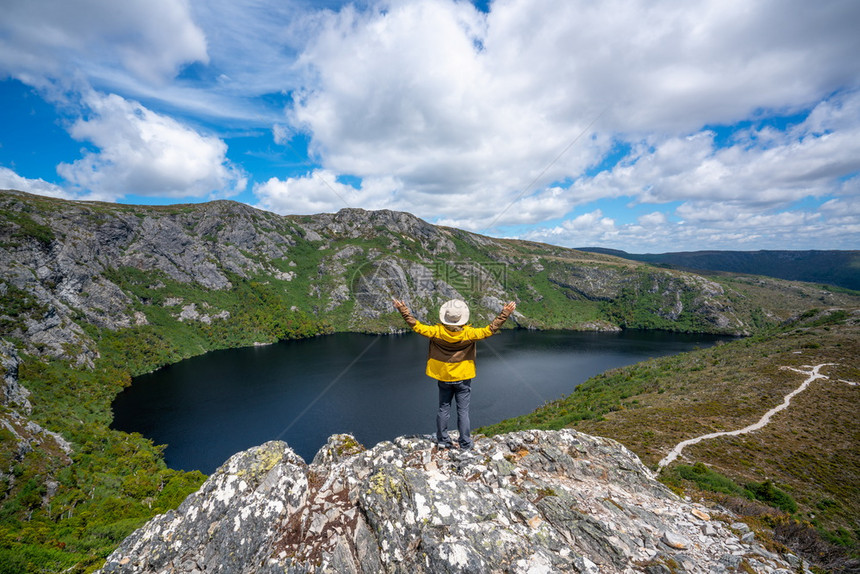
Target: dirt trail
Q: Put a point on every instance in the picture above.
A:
(813, 375)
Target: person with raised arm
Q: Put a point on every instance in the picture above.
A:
(451, 361)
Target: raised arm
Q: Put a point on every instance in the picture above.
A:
(503, 316)
(404, 310)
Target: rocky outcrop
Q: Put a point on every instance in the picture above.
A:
(396, 225)
(526, 502)
(592, 283)
(24, 436)
(12, 394)
(59, 255)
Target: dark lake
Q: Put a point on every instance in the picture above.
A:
(207, 408)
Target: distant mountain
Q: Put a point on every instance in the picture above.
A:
(830, 267)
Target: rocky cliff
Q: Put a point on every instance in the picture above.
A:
(24, 435)
(525, 502)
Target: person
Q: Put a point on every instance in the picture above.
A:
(451, 361)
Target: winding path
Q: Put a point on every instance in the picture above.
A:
(813, 375)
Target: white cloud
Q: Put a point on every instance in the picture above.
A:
(590, 222)
(847, 208)
(552, 203)
(653, 219)
(471, 119)
(281, 134)
(11, 180)
(315, 193)
(253, 43)
(408, 92)
(714, 226)
(150, 39)
(727, 216)
(144, 153)
(454, 102)
(591, 228)
(765, 169)
(320, 191)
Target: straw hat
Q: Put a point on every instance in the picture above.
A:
(454, 313)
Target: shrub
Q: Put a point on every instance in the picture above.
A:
(707, 479)
(769, 494)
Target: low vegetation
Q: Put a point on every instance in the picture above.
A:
(24, 227)
(769, 512)
(115, 481)
(805, 462)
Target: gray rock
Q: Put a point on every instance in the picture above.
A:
(731, 561)
(199, 245)
(525, 502)
(675, 541)
(12, 394)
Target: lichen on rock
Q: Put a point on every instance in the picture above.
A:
(524, 502)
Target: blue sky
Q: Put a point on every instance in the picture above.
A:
(636, 125)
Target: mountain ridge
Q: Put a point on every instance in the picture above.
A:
(92, 259)
(840, 268)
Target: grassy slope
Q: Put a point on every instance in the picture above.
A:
(117, 481)
(809, 450)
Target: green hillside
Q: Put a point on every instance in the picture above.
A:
(807, 451)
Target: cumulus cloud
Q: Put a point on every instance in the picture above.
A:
(144, 153)
(452, 101)
(765, 171)
(320, 191)
(315, 193)
(711, 226)
(407, 92)
(653, 219)
(795, 188)
(11, 180)
(726, 115)
(765, 168)
(150, 39)
(592, 228)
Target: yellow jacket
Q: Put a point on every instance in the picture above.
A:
(451, 355)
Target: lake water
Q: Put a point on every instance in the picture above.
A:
(207, 408)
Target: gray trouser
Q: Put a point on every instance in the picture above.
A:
(462, 391)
